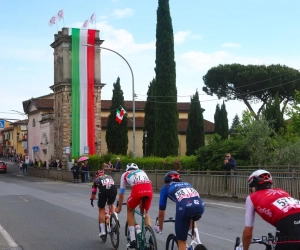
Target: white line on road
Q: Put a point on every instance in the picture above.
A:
(8, 238)
(223, 205)
(216, 237)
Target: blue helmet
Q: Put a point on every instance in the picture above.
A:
(172, 176)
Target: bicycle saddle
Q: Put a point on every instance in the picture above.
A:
(195, 217)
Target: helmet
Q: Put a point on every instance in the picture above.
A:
(172, 176)
(132, 166)
(259, 177)
(100, 173)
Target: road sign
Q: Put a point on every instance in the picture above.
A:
(68, 150)
(86, 149)
(35, 149)
(2, 123)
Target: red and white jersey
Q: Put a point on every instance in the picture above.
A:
(271, 204)
(134, 177)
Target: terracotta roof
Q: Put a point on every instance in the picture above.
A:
(43, 103)
(7, 129)
(140, 105)
(182, 124)
(20, 122)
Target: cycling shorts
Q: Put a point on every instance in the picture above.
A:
(139, 191)
(288, 233)
(107, 196)
(184, 210)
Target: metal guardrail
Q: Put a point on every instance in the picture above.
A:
(219, 183)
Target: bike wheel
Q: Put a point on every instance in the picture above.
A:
(200, 247)
(127, 232)
(114, 231)
(103, 237)
(172, 242)
(150, 240)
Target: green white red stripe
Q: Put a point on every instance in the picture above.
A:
(83, 76)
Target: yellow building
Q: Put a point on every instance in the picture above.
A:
(183, 110)
(20, 136)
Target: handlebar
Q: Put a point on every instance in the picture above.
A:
(266, 242)
(124, 203)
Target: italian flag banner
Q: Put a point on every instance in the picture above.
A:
(83, 76)
(120, 115)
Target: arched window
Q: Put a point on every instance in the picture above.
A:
(33, 123)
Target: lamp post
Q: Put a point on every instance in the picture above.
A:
(145, 145)
(133, 95)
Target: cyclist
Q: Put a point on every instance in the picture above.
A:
(188, 203)
(141, 187)
(276, 207)
(107, 194)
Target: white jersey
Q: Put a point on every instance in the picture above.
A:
(134, 177)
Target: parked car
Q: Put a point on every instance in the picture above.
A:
(3, 167)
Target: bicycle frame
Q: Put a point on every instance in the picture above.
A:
(141, 237)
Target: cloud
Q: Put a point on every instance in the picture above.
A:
(122, 13)
(181, 36)
(197, 37)
(231, 45)
(200, 61)
(36, 55)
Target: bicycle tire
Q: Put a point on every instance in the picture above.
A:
(200, 247)
(103, 237)
(127, 233)
(150, 243)
(171, 242)
(114, 230)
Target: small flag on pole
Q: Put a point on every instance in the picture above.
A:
(120, 115)
(52, 21)
(92, 18)
(85, 24)
(60, 15)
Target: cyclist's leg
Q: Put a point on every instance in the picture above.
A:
(196, 208)
(102, 198)
(132, 202)
(111, 198)
(146, 203)
(181, 224)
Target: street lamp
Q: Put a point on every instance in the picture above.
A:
(133, 95)
(145, 145)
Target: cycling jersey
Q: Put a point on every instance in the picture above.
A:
(107, 190)
(141, 187)
(271, 204)
(188, 203)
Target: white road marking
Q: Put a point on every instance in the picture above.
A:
(223, 205)
(8, 238)
(211, 235)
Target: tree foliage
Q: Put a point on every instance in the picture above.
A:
(166, 114)
(235, 124)
(252, 82)
(117, 134)
(149, 124)
(221, 121)
(195, 136)
(294, 114)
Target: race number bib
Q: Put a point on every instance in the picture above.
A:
(139, 177)
(185, 193)
(286, 203)
(107, 183)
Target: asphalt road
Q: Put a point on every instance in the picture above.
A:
(44, 214)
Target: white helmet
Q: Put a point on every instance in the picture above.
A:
(131, 166)
(259, 177)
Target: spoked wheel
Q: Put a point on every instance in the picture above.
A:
(103, 237)
(172, 243)
(114, 231)
(150, 240)
(200, 247)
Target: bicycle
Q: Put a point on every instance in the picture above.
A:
(172, 242)
(112, 226)
(143, 242)
(266, 242)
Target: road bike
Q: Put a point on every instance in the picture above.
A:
(268, 242)
(172, 242)
(145, 236)
(112, 226)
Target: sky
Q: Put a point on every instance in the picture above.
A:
(206, 34)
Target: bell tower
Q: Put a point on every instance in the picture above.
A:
(62, 89)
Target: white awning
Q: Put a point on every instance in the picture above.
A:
(23, 127)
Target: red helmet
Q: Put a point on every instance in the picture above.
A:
(100, 173)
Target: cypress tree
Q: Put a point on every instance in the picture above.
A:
(166, 114)
(117, 134)
(195, 136)
(224, 130)
(149, 124)
(217, 119)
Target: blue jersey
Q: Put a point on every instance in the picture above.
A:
(176, 191)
